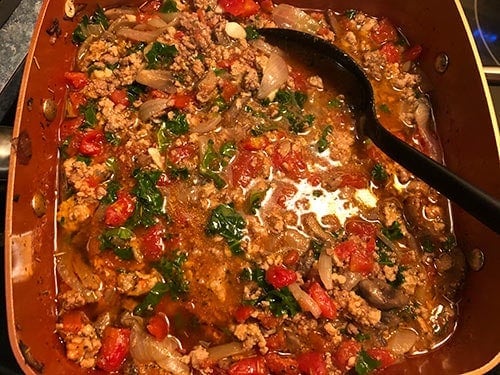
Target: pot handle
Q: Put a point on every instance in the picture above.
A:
(5, 142)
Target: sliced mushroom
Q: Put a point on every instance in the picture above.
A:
(381, 295)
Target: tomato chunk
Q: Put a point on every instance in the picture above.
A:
(354, 180)
(243, 8)
(346, 350)
(384, 356)
(412, 53)
(73, 321)
(391, 53)
(312, 363)
(278, 364)
(153, 246)
(245, 167)
(279, 276)
(243, 312)
(76, 80)
(345, 249)
(158, 326)
(363, 229)
(92, 143)
(119, 96)
(249, 366)
(292, 163)
(182, 100)
(119, 211)
(384, 32)
(324, 301)
(255, 143)
(114, 349)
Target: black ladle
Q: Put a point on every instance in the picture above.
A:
(479, 204)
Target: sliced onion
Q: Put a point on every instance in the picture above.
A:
(265, 47)
(157, 79)
(84, 272)
(219, 352)
(114, 13)
(305, 301)
(387, 241)
(156, 156)
(144, 348)
(287, 16)
(157, 22)
(64, 266)
(169, 17)
(207, 124)
(325, 270)
(152, 108)
(138, 35)
(274, 75)
(402, 341)
(422, 118)
(351, 280)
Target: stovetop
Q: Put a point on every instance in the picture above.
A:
(483, 16)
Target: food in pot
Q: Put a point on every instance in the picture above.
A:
(218, 212)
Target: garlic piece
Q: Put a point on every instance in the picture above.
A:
(235, 30)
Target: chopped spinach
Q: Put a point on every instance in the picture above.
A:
(178, 125)
(262, 128)
(227, 222)
(322, 143)
(228, 149)
(149, 198)
(400, 278)
(81, 31)
(350, 13)
(384, 258)
(384, 108)
(84, 159)
(253, 201)
(365, 364)
(252, 33)
(450, 243)
(334, 103)
(393, 232)
(211, 166)
(291, 104)
(428, 245)
(316, 246)
(117, 239)
(152, 299)
(160, 55)
(169, 6)
(134, 91)
(379, 173)
(112, 138)
(178, 173)
(136, 48)
(171, 269)
(360, 337)
(89, 112)
(111, 192)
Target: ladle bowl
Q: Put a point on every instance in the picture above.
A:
(361, 98)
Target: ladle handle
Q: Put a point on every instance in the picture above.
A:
(476, 202)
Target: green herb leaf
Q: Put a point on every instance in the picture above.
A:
(384, 108)
(224, 220)
(136, 48)
(118, 240)
(81, 31)
(111, 192)
(178, 125)
(134, 91)
(365, 364)
(351, 13)
(169, 6)
(253, 201)
(89, 111)
(322, 143)
(85, 159)
(171, 269)
(360, 337)
(112, 138)
(149, 198)
(378, 173)
(400, 278)
(152, 299)
(228, 149)
(160, 55)
(211, 166)
(393, 232)
(252, 33)
(316, 246)
(334, 103)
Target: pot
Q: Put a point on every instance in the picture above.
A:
(466, 125)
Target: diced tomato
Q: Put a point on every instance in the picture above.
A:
(119, 96)
(279, 276)
(245, 167)
(178, 34)
(69, 126)
(157, 94)
(345, 249)
(384, 356)
(324, 301)
(151, 6)
(177, 154)
(73, 321)
(76, 80)
(266, 5)
(77, 99)
(164, 180)
(158, 326)
(291, 258)
(229, 90)
(292, 164)
(283, 365)
(249, 366)
(314, 179)
(283, 193)
(243, 312)
(92, 143)
(243, 8)
(346, 350)
(226, 63)
(384, 32)
(312, 363)
(153, 246)
(412, 53)
(391, 53)
(363, 229)
(114, 349)
(119, 211)
(300, 79)
(361, 261)
(354, 180)
(182, 100)
(276, 341)
(254, 143)
(323, 30)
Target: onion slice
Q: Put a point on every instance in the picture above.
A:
(290, 17)
(305, 300)
(138, 35)
(274, 75)
(219, 352)
(157, 79)
(152, 108)
(402, 341)
(325, 270)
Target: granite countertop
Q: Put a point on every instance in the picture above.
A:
(15, 36)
